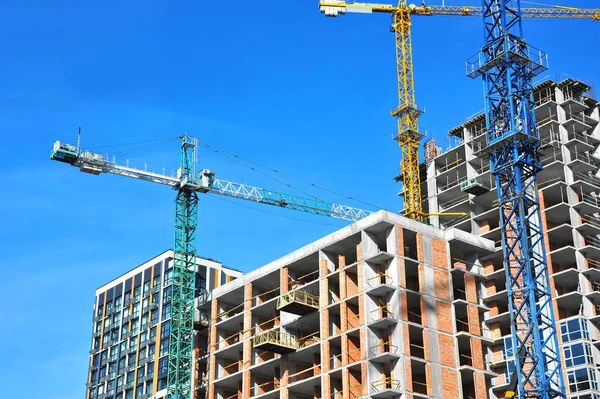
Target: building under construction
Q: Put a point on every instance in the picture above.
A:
(387, 307)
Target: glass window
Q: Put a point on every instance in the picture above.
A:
(147, 286)
(164, 347)
(125, 328)
(507, 349)
(143, 336)
(123, 346)
(574, 329)
(117, 318)
(122, 363)
(578, 354)
(109, 305)
(165, 330)
(100, 389)
(150, 369)
(135, 326)
(151, 350)
(107, 322)
(582, 379)
(167, 294)
(105, 337)
(136, 309)
(162, 383)
(140, 372)
(119, 381)
(153, 333)
(154, 317)
(99, 326)
(168, 276)
(149, 388)
(129, 394)
(102, 371)
(145, 302)
(163, 365)
(126, 312)
(139, 391)
(118, 302)
(144, 321)
(166, 311)
(104, 355)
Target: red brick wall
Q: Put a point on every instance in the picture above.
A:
(442, 284)
(444, 317)
(400, 240)
(477, 353)
(473, 318)
(480, 387)
(439, 253)
(450, 387)
(447, 350)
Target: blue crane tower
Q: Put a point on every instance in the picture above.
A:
(507, 64)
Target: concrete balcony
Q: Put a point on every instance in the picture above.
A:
(384, 353)
(385, 388)
(380, 284)
(382, 317)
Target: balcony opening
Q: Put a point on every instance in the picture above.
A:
(417, 348)
(462, 320)
(335, 358)
(410, 244)
(355, 383)
(333, 285)
(414, 308)
(458, 286)
(468, 385)
(419, 378)
(336, 388)
(411, 272)
(263, 383)
(354, 349)
(335, 322)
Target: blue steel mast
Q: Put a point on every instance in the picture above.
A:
(507, 65)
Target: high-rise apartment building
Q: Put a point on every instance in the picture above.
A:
(458, 180)
(130, 338)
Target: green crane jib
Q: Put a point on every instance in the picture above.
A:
(188, 185)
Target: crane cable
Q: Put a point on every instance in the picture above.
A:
(235, 157)
(274, 213)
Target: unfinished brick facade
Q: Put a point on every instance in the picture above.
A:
(367, 311)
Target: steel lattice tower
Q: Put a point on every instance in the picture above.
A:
(179, 381)
(507, 65)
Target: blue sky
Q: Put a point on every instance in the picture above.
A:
(273, 81)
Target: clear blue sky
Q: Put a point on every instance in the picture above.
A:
(273, 81)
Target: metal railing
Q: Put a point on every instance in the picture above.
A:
(298, 296)
(276, 337)
(386, 383)
(380, 279)
(383, 312)
(584, 157)
(589, 199)
(385, 347)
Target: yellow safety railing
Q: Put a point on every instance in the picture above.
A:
(384, 347)
(276, 337)
(385, 383)
(379, 279)
(298, 296)
(383, 312)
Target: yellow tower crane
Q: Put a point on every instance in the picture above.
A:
(407, 112)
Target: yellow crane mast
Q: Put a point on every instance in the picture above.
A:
(407, 112)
